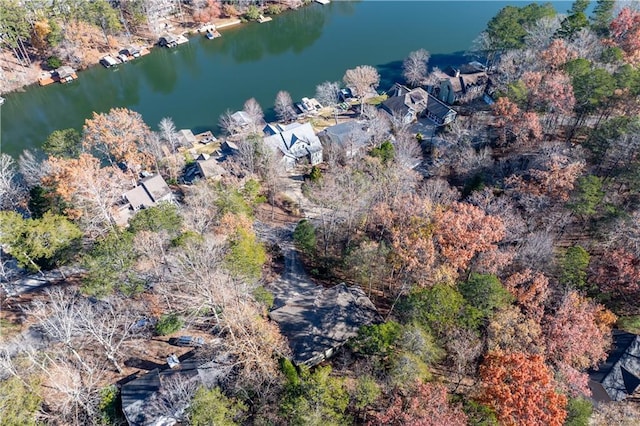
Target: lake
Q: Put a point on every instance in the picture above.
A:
(197, 81)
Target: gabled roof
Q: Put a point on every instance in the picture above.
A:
(138, 198)
(296, 141)
(316, 324)
(64, 71)
(349, 134)
(438, 108)
(619, 376)
(156, 187)
(140, 404)
(210, 168)
(186, 137)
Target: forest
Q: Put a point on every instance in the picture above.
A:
(500, 265)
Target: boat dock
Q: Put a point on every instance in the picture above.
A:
(262, 19)
(323, 1)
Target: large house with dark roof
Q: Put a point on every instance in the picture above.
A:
(318, 323)
(410, 104)
(153, 399)
(619, 376)
(463, 84)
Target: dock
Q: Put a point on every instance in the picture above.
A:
(323, 1)
(262, 19)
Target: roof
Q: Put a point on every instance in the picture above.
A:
(619, 376)
(209, 168)
(169, 38)
(241, 118)
(140, 404)
(297, 141)
(438, 108)
(186, 137)
(64, 71)
(156, 187)
(347, 133)
(317, 324)
(138, 198)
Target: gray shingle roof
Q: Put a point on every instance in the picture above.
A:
(317, 325)
(619, 376)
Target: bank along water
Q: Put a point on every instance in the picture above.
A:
(196, 82)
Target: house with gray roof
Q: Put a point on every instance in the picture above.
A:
(619, 376)
(152, 398)
(410, 104)
(351, 136)
(150, 190)
(317, 324)
(296, 142)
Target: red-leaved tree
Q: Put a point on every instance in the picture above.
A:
(617, 272)
(625, 30)
(531, 290)
(521, 390)
(577, 337)
(426, 404)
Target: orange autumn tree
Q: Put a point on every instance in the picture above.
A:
(521, 390)
(118, 136)
(463, 230)
(89, 190)
(531, 290)
(407, 226)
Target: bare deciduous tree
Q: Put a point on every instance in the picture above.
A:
(168, 133)
(408, 152)
(32, 168)
(541, 34)
(11, 192)
(327, 93)
(255, 113)
(414, 67)
(228, 124)
(284, 107)
(362, 80)
(176, 392)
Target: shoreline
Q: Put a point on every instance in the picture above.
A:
(35, 72)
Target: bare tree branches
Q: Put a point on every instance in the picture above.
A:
(284, 107)
(414, 67)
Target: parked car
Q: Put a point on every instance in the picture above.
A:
(189, 341)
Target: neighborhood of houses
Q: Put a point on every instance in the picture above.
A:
(320, 321)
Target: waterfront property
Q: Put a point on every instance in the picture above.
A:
(108, 61)
(65, 74)
(463, 84)
(295, 143)
(350, 136)
(149, 191)
(410, 104)
(168, 40)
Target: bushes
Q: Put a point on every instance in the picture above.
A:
(54, 62)
(168, 324)
(305, 237)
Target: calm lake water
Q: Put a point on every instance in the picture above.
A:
(196, 82)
